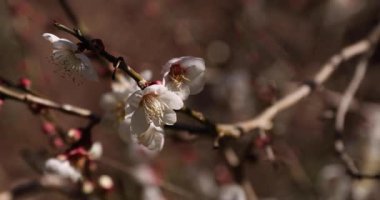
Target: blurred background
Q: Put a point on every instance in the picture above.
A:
(256, 51)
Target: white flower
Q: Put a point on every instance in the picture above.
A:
(149, 180)
(148, 110)
(231, 192)
(184, 75)
(63, 169)
(113, 103)
(70, 61)
(153, 138)
(96, 151)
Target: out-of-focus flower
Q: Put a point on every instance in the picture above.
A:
(149, 180)
(106, 182)
(95, 151)
(184, 75)
(62, 168)
(231, 192)
(69, 59)
(149, 109)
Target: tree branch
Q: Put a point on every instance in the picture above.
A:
(264, 120)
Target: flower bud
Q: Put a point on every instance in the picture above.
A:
(25, 83)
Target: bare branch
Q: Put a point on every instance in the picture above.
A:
(264, 120)
(7, 92)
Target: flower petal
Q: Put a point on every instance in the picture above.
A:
(183, 91)
(195, 67)
(133, 102)
(153, 138)
(108, 102)
(139, 122)
(170, 117)
(88, 70)
(60, 43)
(172, 100)
(197, 84)
(50, 37)
(64, 44)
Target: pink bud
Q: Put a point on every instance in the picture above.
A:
(25, 83)
(48, 128)
(58, 142)
(74, 134)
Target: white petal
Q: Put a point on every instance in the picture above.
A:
(153, 138)
(170, 117)
(139, 122)
(133, 102)
(88, 70)
(183, 91)
(50, 37)
(96, 151)
(155, 89)
(108, 102)
(60, 43)
(172, 100)
(197, 84)
(63, 169)
(64, 44)
(194, 67)
(147, 74)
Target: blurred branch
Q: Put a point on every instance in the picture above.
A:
(128, 170)
(353, 86)
(8, 92)
(45, 183)
(264, 120)
(69, 12)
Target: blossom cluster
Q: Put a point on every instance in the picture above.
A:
(145, 110)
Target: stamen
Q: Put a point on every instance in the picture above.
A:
(177, 75)
(153, 108)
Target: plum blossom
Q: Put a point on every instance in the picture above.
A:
(184, 75)
(96, 151)
(69, 59)
(231, 192)
(114, 102)
(63, 169)
(153, 138)
(148, 110)
(149, 180)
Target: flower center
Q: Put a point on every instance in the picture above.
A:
(177, 75)
(153, 108)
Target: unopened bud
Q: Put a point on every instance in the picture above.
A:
(58, 142)
(106, 182)
(48, 128)
(25, 83)
(74, 134)
(88, 187)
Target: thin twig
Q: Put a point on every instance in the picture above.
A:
(264, 120)
(7, 92)
(128, 170)
(349, 94)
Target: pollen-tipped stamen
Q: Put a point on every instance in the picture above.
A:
(177, 75)
(153, 107)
